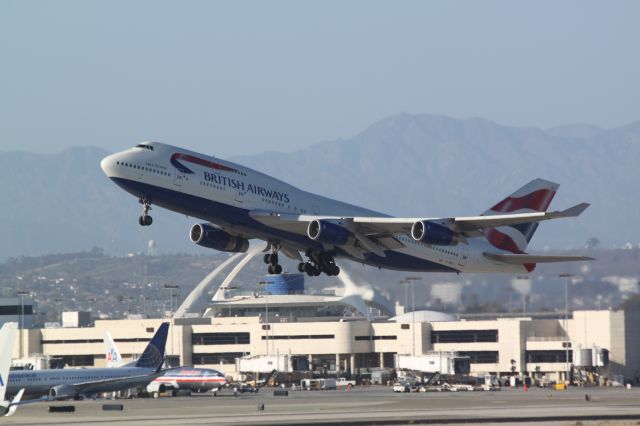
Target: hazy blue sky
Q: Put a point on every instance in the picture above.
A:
(241, 77)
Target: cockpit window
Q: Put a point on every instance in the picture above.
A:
(145, 146)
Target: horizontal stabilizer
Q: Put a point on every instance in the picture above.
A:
(574, 211)
(522, 259)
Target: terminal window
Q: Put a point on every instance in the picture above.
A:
(300, 336)
(220, 338)
(16, 310)
(376, 337)
(481, 357)
(549, 356)
(217, 358)
(464, 336)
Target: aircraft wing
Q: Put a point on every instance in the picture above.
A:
(376, 234)
(521, 259)
(471, 225)
(136, 380)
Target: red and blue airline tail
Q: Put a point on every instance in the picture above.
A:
(533, 197)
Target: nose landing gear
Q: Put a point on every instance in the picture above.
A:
(145, 219)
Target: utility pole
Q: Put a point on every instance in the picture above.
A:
(567, 277)
(266, 314)
(22, 293)
(172, 287)
(413, 313)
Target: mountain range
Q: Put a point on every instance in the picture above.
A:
(407, 165)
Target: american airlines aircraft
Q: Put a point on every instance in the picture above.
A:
(239, 204)
(77, 382)
(183, 378)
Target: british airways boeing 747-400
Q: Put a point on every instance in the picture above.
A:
(238, 204)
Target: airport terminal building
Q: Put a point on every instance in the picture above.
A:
(327, 334)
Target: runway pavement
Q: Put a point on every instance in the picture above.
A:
(370, 405)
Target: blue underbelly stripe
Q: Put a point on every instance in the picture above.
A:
(217, 212)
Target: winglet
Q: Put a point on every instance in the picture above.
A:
(14, 403)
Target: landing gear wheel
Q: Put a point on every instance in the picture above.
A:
(271, 259)
(145, 219)
(308, 268)
(319, 261)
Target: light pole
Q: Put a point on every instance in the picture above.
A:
(22, 294)
(413, 313)
(266, 313)
(566, 321)
(404, 284)
(226, 294)
(59, 303)
(172, 287)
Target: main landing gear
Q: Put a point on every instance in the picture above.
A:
(271, 259)
(145, 219)
(318, 263)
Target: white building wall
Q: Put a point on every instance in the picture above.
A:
(613, 330)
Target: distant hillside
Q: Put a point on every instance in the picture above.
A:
(114, 285)
(418, 165)
(64, 203)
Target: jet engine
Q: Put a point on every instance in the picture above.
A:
(433, 233)
(328, 232)
(62, 392)
(211, 237)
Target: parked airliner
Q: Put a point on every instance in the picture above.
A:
(239, 204)
(78, 382)
(184, 378)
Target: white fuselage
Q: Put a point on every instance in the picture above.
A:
(39, 382)
(224, 193)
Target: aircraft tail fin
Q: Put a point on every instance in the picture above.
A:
(153, 355)
(112, 355)
(535, 196)
(7, 340)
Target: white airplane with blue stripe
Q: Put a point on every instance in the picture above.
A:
(237, 204)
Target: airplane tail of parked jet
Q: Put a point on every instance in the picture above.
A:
(535, 196)
(112, 354)
(7, 340)
(153, 355)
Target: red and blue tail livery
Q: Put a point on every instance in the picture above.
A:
(237, 204)
(535, 196)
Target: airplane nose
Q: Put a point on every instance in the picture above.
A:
(107, 165)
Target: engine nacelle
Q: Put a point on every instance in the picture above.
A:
(433, 233)
(327, 232)
(211, 237)
(62, 392)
